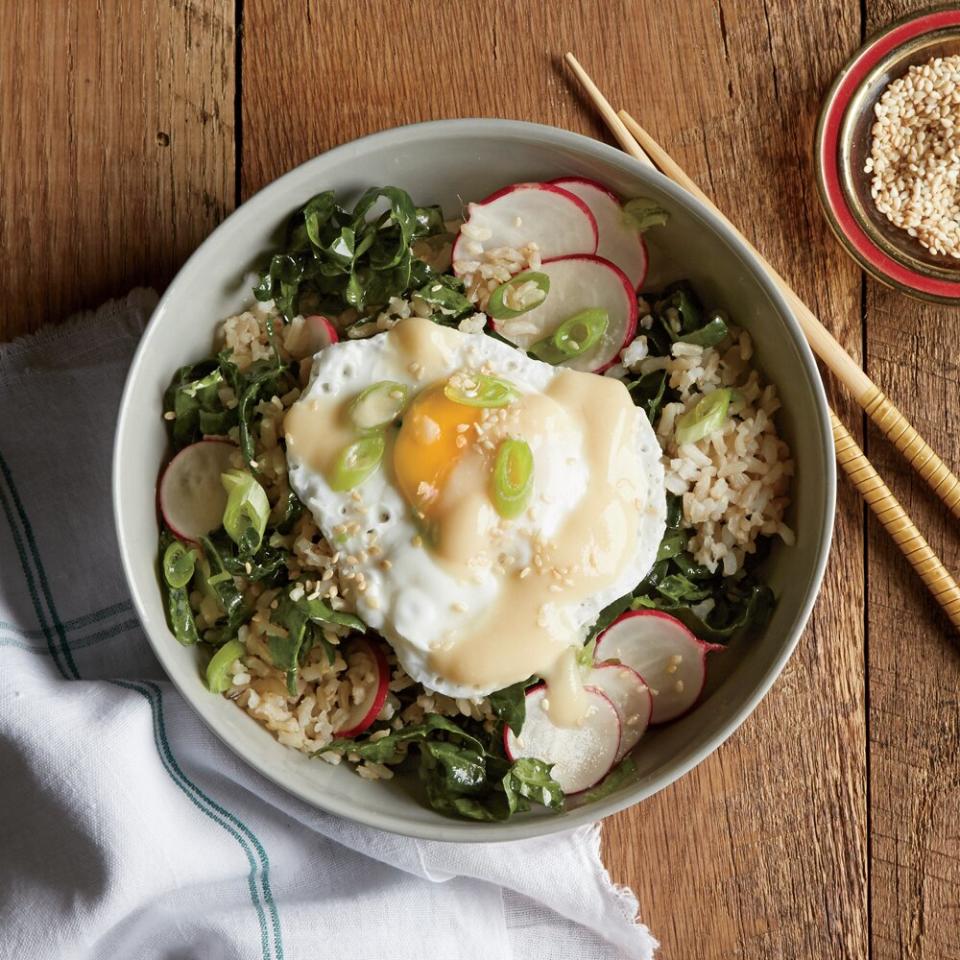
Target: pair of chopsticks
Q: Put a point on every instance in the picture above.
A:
(639, 144)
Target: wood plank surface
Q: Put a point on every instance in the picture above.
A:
(913, 661)
(121, 124)
(116, 147)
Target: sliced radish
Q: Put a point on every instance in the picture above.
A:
(313, 335)
(629, 693)
(322, 332)
(367, 655)
(316, 334)
(619, 240)
(583, 755)
(580, 283)
(191, 495)
(553, 218)
(664, 652)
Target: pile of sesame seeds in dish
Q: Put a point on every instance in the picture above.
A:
(914, 157)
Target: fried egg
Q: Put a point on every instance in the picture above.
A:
(472, 600)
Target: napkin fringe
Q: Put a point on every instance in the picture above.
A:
(24, 354)
(624, 897)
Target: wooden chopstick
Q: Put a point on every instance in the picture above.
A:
(616, 125)
(851, 458)
(877, 405)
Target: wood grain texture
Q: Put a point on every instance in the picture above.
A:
(913, 660)
(761, 852)
(116, 147)
(117, 155)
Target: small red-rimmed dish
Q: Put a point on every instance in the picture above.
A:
(842, 146)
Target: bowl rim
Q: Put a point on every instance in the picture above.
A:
(587, 148)
(830, 154)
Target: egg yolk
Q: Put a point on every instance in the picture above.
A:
(433, 437)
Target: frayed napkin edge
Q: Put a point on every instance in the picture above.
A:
(625, 899)
(128, 314)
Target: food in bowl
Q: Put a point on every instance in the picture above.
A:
(436, 502)
(914, 160)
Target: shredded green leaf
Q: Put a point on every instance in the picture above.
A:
(333, 258)
(623, 773)
(461, 775)
(510, 704)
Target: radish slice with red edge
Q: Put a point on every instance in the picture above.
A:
(365, 653)
(192, 498)
(313, 335)
(582, 755)
(665, 653)
(577, 284)
(317, 333)
(629, 693)
(321, 331)
(620, 241)
(553, 218)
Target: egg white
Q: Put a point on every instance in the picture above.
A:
(417, 604)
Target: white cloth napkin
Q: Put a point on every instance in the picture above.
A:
(126, 829)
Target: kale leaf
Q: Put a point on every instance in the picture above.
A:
(333, 259)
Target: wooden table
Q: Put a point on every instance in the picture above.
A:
(828, 825)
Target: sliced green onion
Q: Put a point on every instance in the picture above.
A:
(575, 336)
(218, 680)
(178, 564)
(645, 213)
(497, 306)
(247, 511)
(706, 416)
(357, 461)
(479, 390)
(512, 478)
(380, 404)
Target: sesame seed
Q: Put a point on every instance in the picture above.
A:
(914, 160)
(417, 541)
(524, 573)
(678, 686)
(169, 415)
(458, 607)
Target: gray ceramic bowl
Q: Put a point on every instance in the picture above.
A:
(452, 162)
